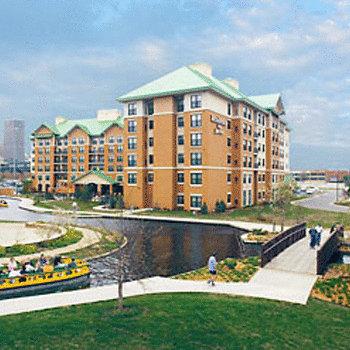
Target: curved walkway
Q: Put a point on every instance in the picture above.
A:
(323, 201)
(90, 237)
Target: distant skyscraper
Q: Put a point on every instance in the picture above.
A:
(14, 140)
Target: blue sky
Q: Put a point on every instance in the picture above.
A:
(73, 57)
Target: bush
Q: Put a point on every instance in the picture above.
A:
(49, 196)
(231, 264)
(220, 207)
(85, 194)
(204, 209)
(2, 251)
(22, 249)
(71, 236)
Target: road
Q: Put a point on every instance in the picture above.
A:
(323, 201)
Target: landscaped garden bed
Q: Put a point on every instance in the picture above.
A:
(334, 285)
(258, 236)
(228, 270)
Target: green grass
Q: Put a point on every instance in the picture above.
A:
(294, 214)
(181, 321)
(66, 204)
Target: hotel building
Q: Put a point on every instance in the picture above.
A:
(187, 139)
(190, 139)
(75, 153)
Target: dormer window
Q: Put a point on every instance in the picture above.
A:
(196, 101)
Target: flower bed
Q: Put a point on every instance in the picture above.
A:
(228, 270)
(258, 236)
(334, 286)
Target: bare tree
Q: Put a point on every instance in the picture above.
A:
(282, 199)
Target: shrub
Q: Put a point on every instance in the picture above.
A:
(85, 194)
(112, 202)
(2, 251)
(204, 209)
(49, 196)
(22, 249)
(119, 202)
(231, 264)
(220, 207)
(70, 237)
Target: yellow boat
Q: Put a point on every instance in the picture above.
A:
(3, 203)
(57, 280)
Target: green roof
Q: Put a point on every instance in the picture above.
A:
(185, 80)
(100, 174)
(266, 101)
(92, 127)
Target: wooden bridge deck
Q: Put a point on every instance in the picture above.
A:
(298, 258)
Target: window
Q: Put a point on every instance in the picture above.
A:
(229, 108)
(196, 178)
(150, 141)
(180, 140)
(228, 159)
(180, 178)
(180, 106)
(74, 141)
(131, 160)
(120, 148)
(132, 110)
(180, 121)
(81, 159)
(111, 139)
(196, 120)
(180, 200)
(229, 124)
(132, 143)
(110, 159)
(228, 142)
(196, 139)
(150, 159)
(196, 158)
(229, 198)
(81, 141)
(180, 158)
(119, 158)
(119, 168)
(132, 179)
(74, 159)
(132, 126)
(149, 107)
(151, 124)
(81, 149)
(228, 177)
(110, 149)
(150, 178)
(110, 168)
(196, 101)
(81, 168)
(119, 139)
(196, 201)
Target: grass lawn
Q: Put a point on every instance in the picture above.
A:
(295, 214)
(181, 321)
(66, 204)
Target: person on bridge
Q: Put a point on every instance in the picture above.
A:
(319, 230)
(312, 233)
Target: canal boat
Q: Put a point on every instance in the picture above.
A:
(3, 203)
(56, 280)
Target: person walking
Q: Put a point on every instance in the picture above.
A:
(212, 269)
(319, 230)
(312, 233)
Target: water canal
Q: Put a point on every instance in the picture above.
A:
(161, 248)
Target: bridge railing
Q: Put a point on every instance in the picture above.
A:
(326, 252)
(279, 243)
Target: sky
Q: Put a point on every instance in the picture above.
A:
(72, 58)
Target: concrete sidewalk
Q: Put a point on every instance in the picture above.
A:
(275, 285)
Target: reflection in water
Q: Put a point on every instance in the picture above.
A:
(161, 248)
(169, 248)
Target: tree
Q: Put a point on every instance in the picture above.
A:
(27, 186)
(282, 197)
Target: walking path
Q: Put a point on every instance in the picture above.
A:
(323, 201)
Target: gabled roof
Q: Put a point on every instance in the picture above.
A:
(92, 127)
(100, 174)
(184, 80)
(267, 101)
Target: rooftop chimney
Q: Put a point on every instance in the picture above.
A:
(203, 68)
(232, 82)
(107, 114)
(59, 120)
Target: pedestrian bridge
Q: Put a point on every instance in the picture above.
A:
(290, 251)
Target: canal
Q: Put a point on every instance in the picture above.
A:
(160, 248)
